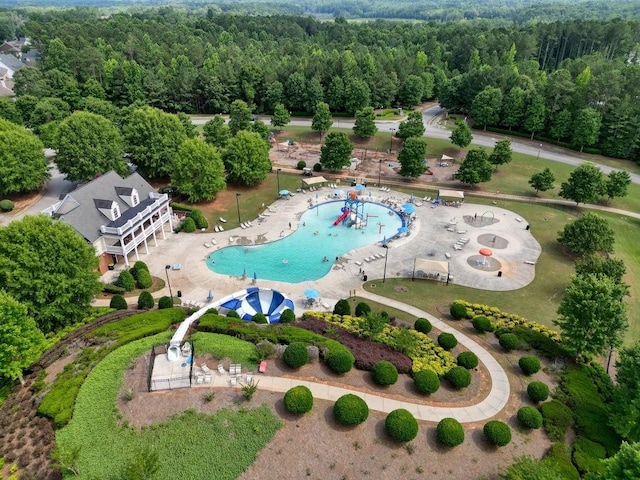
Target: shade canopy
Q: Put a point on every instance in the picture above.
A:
(311, 293)
(313, 180)
(284, 192)
(486, 252)
(408, 208)
(433, 266)
(455, 194)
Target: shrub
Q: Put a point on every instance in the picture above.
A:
(259, 318)
(459, 377)
(287, 316)
(126, 281)
(529, 365)
(509, 341)
(498, 433)
(111, 288)
(447, 341)
(559, 455)
(301, 164)
(482, 324)
(233, 314)
(538, 391)
(295, 355)
(317, 167)
(426, 381)
(449, 432)
(342, 307)
(401, 425)
(139, 265)
(118, 302)
(530, 417)
(587, 455)
(557, 418)
(339, 360)
(145, 300)
(265, 349)
(165, 302)
(362, 309)
(422, 325)
(501, 331)
(6, 205)
(298, 399)
(458, 311)
(188, 225)
(384, 373)
(350, 409)
(143, 279)
(199, 219)
(468, 360)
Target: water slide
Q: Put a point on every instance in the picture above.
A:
(341, 217)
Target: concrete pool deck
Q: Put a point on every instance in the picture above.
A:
(433, 236)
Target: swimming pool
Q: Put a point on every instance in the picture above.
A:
(299, 256)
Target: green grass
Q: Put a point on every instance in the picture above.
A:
(223, 346)
(190, 443)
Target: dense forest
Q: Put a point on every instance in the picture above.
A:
(576, 82)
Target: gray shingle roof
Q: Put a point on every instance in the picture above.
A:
(12, 62)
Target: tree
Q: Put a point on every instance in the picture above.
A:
(198, 171)
(23, 167)
(152, 138)
(9, 111)
(411, 157)
(336, 151)
(501, 153)
(485, 108)
(239, 117)
(624, 465)
(365, 126)
(411, 91)
(47, 266)
(624, 412)
(216, 132)
(189, 128)
(542, 181)
(261, 129)
(617, 183)
(535, 115)
(246, 159)
(592, 315)
(596, 264)
(585, 184)
(526, 468)
(280, 117)
(322, 120)
(20, 339)
(586, 127)
(88, 145)
(412, 126)
(588, 234)
(357, 95)
(560, 125)
(513, 107)
(461, 134)
(48, 110)
(475, 168)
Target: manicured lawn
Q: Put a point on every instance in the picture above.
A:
(223, 346)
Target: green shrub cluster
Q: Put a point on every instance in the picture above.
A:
(188, 225)
(501, 331)
(298, 399)
(259, 318)
(287, 316)
(422, 325)
(459, 310)
(350, 409)
(401, 425)
(317, 167)
(199, 219)
(482, 324)
(542, 343)
(295, 355)
(538, 391)
(529, 417)
(497, 433)
(426, 381)
(384, 373)
(449, 432)
(588, 455)
(233, 314)
(118, 302)
(529, 365)
(459, 377)
(145, 300)
(342, 307)
(468, 360)
(339, 360)
(112, 288)
(559, 456)
(165, 302)
(125, 280)
(143, 279)
(362, 309)
(6, 205)
(557, 418)
(509, 341)
(301, 164)
(448, 341)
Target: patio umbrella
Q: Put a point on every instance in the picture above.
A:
(284, 192)
(311, 293)
(485, 252)
(408, 208)
(359, 187)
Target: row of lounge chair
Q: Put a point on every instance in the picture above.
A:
(246, 225)
(333, 185)
(376, 256)
(218, 228)
(385, 189)
(208, 245)
(459, 245)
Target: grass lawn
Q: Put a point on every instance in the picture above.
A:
(223, 346)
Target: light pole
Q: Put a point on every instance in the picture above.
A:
(539, 148)
(166, 272)
(380, 170)
(391, 139)
(278, 179)
(384, 274)
(238, 206)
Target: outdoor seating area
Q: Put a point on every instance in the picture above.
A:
(218, 228)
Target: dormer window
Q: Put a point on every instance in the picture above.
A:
(134, 199)
(115, 211)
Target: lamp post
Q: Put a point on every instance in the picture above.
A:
(380, 170)
(539, 148)
(391, 139)
(166, 272)
(238, 206)
(384, 274)
(278, 179)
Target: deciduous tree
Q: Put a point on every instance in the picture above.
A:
(246, 159)
(585, 184)
(239, 117)
(216, 132)
(501, 154)
(485, 108)
(336, 151)
(617, 183)
(322, 120)
(596, 264)
(475, 168)
(365, 126)
(23, 167)
(535, 115)
(624, 465)
(413, 126)
(542, 181)
(624, 414)
(461, 134)
(280, 117)
(198, 171)
(590, 233)
(411, 157)
(586, 127)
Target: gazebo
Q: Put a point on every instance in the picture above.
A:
(430, 269)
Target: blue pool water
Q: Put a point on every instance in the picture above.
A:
(299, 256)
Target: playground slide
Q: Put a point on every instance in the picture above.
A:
(341, 217)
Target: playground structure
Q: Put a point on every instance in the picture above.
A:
(352, 215)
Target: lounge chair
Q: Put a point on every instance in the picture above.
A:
(243, 226)
(221, 229)
(207, 245)
(233, 381)
(207, 378)
(205, 369)
(213, 241)
(223, 220)
(221, 369)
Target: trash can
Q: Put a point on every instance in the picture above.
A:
(179, 293)
(365, 277)
(528, 227)
(499, 273)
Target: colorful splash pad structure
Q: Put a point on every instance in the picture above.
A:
(352, 215)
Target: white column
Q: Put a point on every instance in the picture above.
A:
(155, 240)
(146, 247)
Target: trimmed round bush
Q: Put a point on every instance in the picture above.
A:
(287, 316)
(350, 409)
(538, 391)
(189, 225)
(448, 341)
(301, 164)
(384, 373)
(233, 314)
(501, 331)
(143, 279)
(199, 219)
(449, 432)
(6, 205)
(118, 302)
(298, 399)
(362, 309)
(529, 364)
(468, 360)
(126, 281)
(165, 302)
(530, 417)
(509, 341)
(259, 318)
(458, 310)
(423, 325)
(482, 324)
(139, 265)
(339, 360)
(459, 377)
(426, 381)
(145, 300)
(317, 167)
(401, 425)
(498, 433)
(295, 355)
(342, 307)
